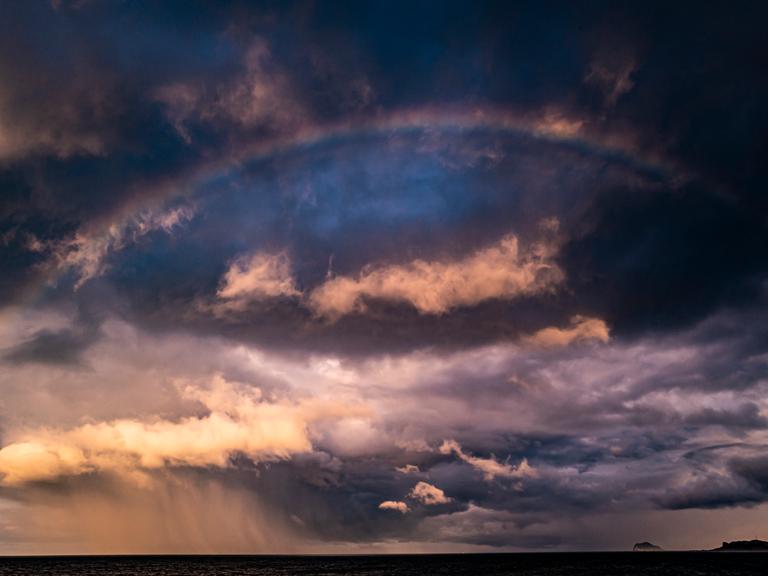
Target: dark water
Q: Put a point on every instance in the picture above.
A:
(603, 564)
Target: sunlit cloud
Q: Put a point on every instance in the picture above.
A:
(490, 467)
(237, 421)
(503, 270)
(401, 507)
(261, 275)
(581, 329)
(428, 494)
(87, 251)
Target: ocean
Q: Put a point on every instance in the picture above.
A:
(538, 564)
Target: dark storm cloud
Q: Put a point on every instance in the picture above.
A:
(156, 100)
(723, 482)
(660, 260)
(61, 347)
(753, 470)
(746, 415)
(80, 135)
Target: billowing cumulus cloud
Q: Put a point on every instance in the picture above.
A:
(503, 270)
(237, 422)
(428, 494)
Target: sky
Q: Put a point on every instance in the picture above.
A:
(352, 277)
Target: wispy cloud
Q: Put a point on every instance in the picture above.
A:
(490, 467)
(260, 97)
(581, 329)
(87, 251)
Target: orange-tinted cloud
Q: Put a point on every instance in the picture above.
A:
(258, 276)
(401, 507)
(86, 251)
(490, 467)
(502, 270)
(238, 421)
(581, 329)
(428, 494)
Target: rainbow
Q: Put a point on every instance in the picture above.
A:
(550, 125)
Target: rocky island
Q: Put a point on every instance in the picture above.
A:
(646, 547)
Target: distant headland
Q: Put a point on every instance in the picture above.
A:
(735, 546)
(743, 546)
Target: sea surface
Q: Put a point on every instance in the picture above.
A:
(602, 564)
